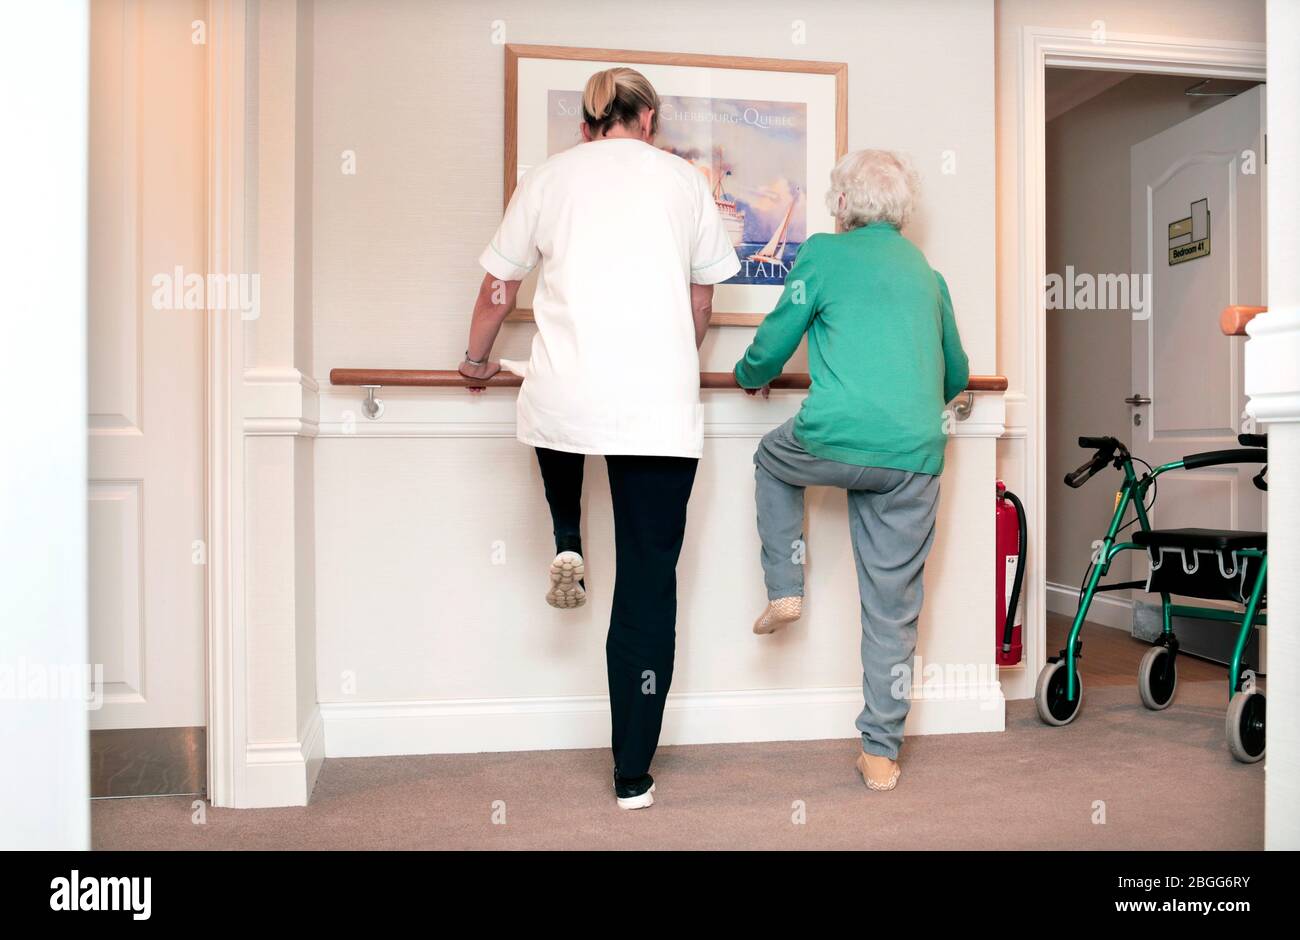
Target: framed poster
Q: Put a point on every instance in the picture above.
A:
(765, 133)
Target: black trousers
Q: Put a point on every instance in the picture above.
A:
(649, 498)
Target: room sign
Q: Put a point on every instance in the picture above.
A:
(1189, 238)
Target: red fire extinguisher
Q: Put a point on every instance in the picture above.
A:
(1010, 575)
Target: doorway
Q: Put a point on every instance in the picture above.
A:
(1044, 49)
(1154, 222)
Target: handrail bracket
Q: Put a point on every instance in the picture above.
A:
(372, 406)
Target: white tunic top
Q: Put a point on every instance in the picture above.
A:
(621, 230)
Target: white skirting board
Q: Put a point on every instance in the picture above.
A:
(1107, 609)
(283, 774)
(371, 729)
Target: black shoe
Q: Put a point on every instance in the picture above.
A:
(634, 793)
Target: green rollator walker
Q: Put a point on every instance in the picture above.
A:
(1209, 564)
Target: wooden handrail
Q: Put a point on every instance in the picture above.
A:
(1233, 320)
(441, 378)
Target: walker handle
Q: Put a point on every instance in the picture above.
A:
(1217, 458)
(1084, 474)
(1105, 447)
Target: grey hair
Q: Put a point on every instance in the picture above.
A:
(876, 186)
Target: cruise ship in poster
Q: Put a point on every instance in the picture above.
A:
(733, 218)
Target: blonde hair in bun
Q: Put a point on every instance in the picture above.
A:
(618, 96)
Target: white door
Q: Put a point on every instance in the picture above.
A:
(1198, 231)
(146, 365)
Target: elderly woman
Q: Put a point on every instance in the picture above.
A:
(630, 242)
(885, 358)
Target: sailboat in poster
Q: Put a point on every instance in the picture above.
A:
(774, 250)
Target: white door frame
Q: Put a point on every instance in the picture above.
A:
(1041, 48)
(227, 253)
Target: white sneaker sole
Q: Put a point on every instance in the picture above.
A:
(565, 592)
(638, 802)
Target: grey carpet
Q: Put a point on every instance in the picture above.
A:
(1166, 780)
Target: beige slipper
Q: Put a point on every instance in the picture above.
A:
(878, 773)
(779, 612)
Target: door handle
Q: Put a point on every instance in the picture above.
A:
(1136, 399)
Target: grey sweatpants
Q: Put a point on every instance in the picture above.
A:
(891, 522)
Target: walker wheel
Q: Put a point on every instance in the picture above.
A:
(1158, 678)
(1244, 725)
(1053, 707)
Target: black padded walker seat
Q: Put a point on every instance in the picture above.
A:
(1202, 562)
(1207, 540)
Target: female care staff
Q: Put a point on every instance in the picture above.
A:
(630, 243)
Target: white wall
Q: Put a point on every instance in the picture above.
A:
(410, 607)
(45, 791)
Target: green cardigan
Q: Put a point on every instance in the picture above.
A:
(883, 350)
